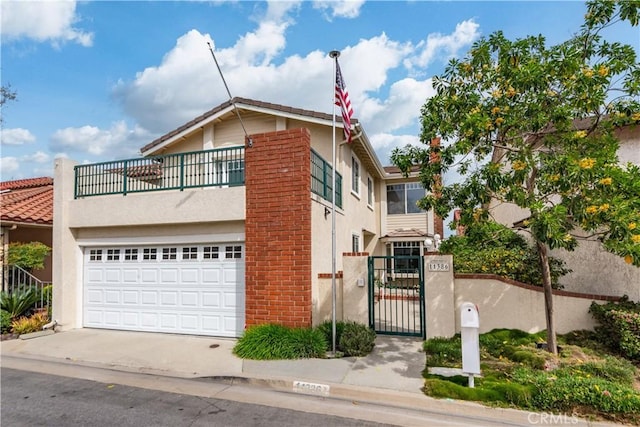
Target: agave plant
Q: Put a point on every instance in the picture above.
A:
(17, 303)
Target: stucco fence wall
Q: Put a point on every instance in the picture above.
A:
(502, 303)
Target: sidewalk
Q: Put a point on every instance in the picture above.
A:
(391, 375)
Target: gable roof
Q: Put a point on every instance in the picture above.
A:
(360, 145)
(27, 201)
(242, 104)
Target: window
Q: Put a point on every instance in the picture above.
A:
(113, 254)
(369, 191)
(190, 253)
(130, 254)
(95, 255)
(402, 198)
(355, 243)
(406, 249)
(169, 253)
(233, 252)
(149, 254)
(355, 175)
(210, 252)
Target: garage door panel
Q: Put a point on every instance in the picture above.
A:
(200, 294)
(169, 276)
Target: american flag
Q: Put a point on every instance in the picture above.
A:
(342, 100)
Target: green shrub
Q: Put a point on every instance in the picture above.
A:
(29, 256)
(610, 369)
(357, 339)
(272, 342)
(5, 322)
(308, 342)
(619, 327)
(326, 328)
(18, 303)
(489, 247)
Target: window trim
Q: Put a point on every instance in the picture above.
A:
(356, 175)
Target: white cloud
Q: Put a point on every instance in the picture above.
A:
(339, 8)
(8, 166)
(37, 157)
(50, 20)
(117, 142)
(445, 45)
(16, 136)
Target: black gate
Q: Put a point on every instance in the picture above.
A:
(396, 295)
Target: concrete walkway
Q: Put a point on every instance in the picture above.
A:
(391, 375)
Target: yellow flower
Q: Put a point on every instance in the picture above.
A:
(554, 178)
(526, 222)
(606, 181)
(628, 259)
(635, 117)
(467, 67)
(519, 165)
(511, 92)
(499, 121)
(489, 126)
(496, 93)
(475, 110)
(635, 238)
(588, 72)
(604, 207)
(567, 238)
(495, 110)
(591, 209)
(603, 71)
(580, 134)
(587, 163)
(632, 226)
(551, 92)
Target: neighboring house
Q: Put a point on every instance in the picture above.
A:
(212, 231)
(595, 271)
(27, 216)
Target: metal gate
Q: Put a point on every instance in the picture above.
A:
(396, 295)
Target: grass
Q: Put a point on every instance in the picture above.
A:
(584, 379)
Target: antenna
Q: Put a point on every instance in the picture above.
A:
(250, 141)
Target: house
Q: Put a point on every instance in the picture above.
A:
(27, 216)
(223, 224)
(594, 270)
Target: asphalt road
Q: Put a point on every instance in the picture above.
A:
(35, 399)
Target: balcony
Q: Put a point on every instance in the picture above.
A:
(209, 168)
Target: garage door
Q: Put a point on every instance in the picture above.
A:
(184, 289)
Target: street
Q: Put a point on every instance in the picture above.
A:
(33, 399)
(62, 393)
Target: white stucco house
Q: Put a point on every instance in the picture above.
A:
(212, 230)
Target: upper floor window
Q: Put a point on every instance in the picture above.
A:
(355, 175)
(355, 243)
(403, 198)
(369, 191)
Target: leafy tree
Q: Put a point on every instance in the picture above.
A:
(534, 126)
(6, 94)
(491, 247)
(29, 256)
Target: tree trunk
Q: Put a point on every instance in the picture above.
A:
(552, 343)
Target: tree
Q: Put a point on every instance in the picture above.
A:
(534, 126)
(6, 94)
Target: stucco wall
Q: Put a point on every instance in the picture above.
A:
(506, 304)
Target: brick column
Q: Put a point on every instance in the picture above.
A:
(278, 228)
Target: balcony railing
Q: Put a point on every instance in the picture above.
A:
(209, 168)
(321, 179)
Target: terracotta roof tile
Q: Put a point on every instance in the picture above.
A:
(27, 201)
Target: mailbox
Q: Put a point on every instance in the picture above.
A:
(469, 316)
(469, 334)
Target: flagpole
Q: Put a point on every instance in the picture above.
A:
(333, 54)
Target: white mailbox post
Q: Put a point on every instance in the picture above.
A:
(469, 331)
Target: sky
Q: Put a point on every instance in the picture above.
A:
(97, 80)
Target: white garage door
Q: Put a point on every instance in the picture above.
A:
(184, 289)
